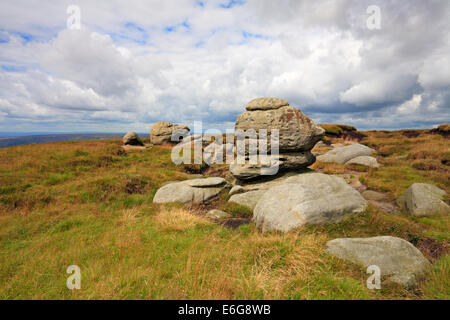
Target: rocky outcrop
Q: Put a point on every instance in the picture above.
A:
(396, 258)
(297, 136)
(163, 132)
(309, 198)
(366, 161)
(236, 190)
(248, 199)
(132, 139)
(196, 191)
(422, 199)
(343, 154)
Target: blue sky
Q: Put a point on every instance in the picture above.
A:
(136, 62)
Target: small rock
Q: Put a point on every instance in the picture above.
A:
(366, 161)
(247, 199)
(266, 104)
(181, 191)
(422, 199)
(217, 214)
(164, 131)
(236, 190)
(395, 257)
(132, 139)
(373, 195)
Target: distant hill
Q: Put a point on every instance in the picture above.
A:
(32, 139)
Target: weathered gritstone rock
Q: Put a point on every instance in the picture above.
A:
(162, 132)
(266, 104)
(373, 195)
(422, 199)
(183, 191)
(217, 214)
(297, 132)
(132, 139)
(309, 198)
(248, 199)
(236, 190)
(286, 161)
(395, 257)
(366, 161)
(343, 154)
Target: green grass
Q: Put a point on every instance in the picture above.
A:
(90, 204)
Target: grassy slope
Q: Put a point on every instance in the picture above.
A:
(86, 203)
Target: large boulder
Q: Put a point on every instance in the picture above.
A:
(132, 139)
(248, 199)
(163, 131)
(396, 258)
(305, 199)
(422, 199)
(343, 154)
(196, 191)
(297, 132)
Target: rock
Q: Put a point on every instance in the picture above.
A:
(236, 190)
(182, 191)
(286, 161)
(366, 161)
(309, 198)
(217, 214)
(132, 139)
(373, 195)
(266, 104)
(297, 132)
(248, 199)
(207, 182)
(132, 148)
(163, 131)
(395, 257)
(343, 154)
(422, 199)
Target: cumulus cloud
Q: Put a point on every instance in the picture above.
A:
(136, 62)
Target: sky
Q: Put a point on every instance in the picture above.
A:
(132, 63)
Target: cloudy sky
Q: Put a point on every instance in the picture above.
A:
(134, 62)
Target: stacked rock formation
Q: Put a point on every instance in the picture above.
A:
(297, 134)
(163, 131)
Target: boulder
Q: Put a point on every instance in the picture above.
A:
(366, 161)
(343, 154)
(305, 199)
(297, 132)
(286, 161)
(396, 258)
(422, 199)
(163, 131)
(248, 199)
(195, 191)
(217, 214)
(373, 195)
(132, 139)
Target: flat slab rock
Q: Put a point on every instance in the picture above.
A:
(248, 199)
(266, 104)
(343, 154)
(195, 191)
(307, 199)
(395, 257)
(366, 161)
(217, 214)
(422, 199)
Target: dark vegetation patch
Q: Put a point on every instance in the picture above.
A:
(431, 248)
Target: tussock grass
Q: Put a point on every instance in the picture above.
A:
(89, 203)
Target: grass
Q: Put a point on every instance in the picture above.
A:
(89, 203)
